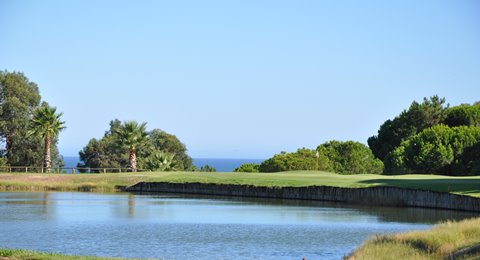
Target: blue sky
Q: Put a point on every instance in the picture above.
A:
(241, 79)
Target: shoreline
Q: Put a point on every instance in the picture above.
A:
(374, 196)
(403, 190)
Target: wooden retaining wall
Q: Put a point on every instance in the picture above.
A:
(380, 196)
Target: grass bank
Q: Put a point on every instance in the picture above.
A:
(110, 182)
(20, 254)
(450, 240)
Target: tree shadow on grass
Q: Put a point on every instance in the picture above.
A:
(456, 185)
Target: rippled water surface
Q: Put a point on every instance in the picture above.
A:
(195, 227)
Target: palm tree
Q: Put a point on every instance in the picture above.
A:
(132, 135)
(46, 123)
(160, 161)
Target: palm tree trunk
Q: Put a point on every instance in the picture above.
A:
(133, 159)
(48, 161)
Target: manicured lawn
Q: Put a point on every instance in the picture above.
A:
(109, 181)
(441, 242)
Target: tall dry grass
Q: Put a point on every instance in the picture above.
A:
(443, 241)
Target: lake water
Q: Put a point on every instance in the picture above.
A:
(197, 227)
(221, 164)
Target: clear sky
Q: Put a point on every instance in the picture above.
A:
(242, 79)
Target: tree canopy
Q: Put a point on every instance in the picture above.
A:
(419, 116)
(347, 157)
(159, 151)
(19, 98)
(465, 114)
(350, 157)
(429, 138)
(440, 150)
(302, 159)
(248, 167)
(131, 136)
(46, 123)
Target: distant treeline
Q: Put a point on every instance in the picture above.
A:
(129, 144)
(428, 137)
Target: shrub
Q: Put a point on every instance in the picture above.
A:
(207, 168)
(467, 115)
(350, 157)
(439, 149)
(302, 159)
(248, 167)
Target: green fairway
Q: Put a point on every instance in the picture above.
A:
(111, 181)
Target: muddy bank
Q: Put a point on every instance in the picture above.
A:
(379, 196)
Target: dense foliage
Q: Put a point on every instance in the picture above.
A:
(168, 143)
(19, 98)
(302, 159)
(350, 158)
(159, 151)
(419, 116)
(430, 137)
(341, 157)
(248, 167)
(439, 149)
(131, 136)
(465, 114)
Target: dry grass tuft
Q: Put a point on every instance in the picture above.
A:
(441, 242)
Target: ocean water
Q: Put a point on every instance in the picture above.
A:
(221, 164)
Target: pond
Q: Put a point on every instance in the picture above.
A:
(171, 226)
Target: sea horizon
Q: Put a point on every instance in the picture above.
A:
(220, 164)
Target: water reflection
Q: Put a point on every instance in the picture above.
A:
(384, 214)
(131, 205)
(198, 227)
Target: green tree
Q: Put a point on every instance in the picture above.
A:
(108, 152)
(394, 162)
(47, 124)
(419, 116)
(438, 150)
(132, 135)
(350, 157)
(18, 99)
(465, 114)
(104, 153)
(162, 141)
(248, 167)
(469, 161)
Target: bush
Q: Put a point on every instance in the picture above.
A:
(350, 157)
(467, 115)
(248, 167)
(395, 162)
(439, 149)
(302, 159)
(341, 157)
(207, 168)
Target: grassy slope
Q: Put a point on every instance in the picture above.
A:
(107, 182)
(438, 243)
(20, 254)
